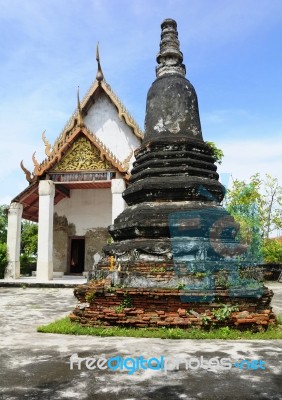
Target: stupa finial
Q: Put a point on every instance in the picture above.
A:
(99, 75)
(170, 57)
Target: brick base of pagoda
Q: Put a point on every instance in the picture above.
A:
(103, 305)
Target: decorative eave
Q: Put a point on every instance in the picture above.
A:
(59, 149)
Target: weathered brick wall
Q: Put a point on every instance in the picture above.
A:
(143, 307)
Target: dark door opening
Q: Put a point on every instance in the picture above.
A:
(77, 253)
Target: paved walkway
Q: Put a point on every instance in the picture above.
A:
(37, 366)
(277, 298)
(32, 281)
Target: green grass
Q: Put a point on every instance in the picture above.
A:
(66, 327)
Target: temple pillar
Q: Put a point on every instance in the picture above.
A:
(14, 241)
(45, 230)
(118, 204)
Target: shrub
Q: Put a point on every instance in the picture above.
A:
(272, 251)
(3, 259)
(28, 264)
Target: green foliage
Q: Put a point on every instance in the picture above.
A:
(3, 223)
(158, 270)
(29, 238)
(28, 264)
(126, 303)
(216, 152)
(110, 289)
(3, 259)
(243, 203)
(224, 312)
(221, 279)
(66, 327)
(206, 319)
(256, 206)
(119, 309)
(261, 198)
(272, 251)
(200, 275)
(181, 286)
(89, 297)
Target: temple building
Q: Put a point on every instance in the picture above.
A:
(76, 192)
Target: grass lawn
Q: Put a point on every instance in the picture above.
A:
(66, 327)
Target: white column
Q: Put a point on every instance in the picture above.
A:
(44, 269)
(118, 204)
(14, 241)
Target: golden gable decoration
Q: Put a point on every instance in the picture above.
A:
(82, 156)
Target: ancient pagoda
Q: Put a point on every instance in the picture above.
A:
(174, 259)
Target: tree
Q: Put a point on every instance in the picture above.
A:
(29, 238)
(3, 239)
(28, 246)
(271, 201)
(216, 152)
(3, 223)
(256, 206)
(3, 259)
(272, 251)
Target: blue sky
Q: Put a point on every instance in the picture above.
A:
(232, 51)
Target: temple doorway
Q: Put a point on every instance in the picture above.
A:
(76, 255)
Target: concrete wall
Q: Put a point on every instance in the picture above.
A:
(86, 213)
(103, 120)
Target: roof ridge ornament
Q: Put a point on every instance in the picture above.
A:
(47, 145)
(30, 177)
(170, 57)
(99, 75)
(35, 162)
(80, 121)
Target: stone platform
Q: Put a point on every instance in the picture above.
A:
(103, 304)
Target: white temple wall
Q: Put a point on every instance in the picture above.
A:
(104, 122)
(87, 213)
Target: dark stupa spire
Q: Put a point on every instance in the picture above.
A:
(173, 163)
(172, 105)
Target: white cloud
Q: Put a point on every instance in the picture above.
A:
(243, 158)
(224, 116)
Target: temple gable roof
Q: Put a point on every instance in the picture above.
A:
(97, 142)
(103, 119)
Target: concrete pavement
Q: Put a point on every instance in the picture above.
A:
(31, 281)
(37, 366)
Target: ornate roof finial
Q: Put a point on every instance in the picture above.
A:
(29, 176)
(80, 116)
(35, 162)
(47, 145)
(99, 75)
(170, 57)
